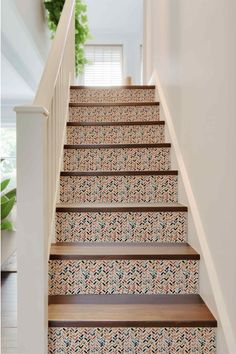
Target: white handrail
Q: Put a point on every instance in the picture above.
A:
(50, 74)
(41, 131)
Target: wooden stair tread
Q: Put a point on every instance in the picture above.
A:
(130, 87)
(124, 251)
(120, 173)
(113, 104)
(129, 311)
(116, 146)
(98, 124)
(121, 207)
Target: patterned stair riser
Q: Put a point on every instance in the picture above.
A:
(72, 277)
(121, 276)
(121, 226)
(111, 95)
(114, 114)
(136, 134)
(105, 189)
(117, 159)
(132, 340)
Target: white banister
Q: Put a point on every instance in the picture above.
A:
(54, 62)
(41, 131)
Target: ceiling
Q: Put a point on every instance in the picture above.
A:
(24, 49)
(112, 16)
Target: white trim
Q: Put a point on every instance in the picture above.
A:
(32, 109)
(32, 230)
(202, 238)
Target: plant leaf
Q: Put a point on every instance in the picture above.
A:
(4, 184)
(4, 199)
(11, 193)
(7, 207)
(6, 225)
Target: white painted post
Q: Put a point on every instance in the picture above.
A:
(147, 41)
(32, 230)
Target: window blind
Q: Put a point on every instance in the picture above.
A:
(105, 68)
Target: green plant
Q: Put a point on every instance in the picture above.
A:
(82, 33)
(8, 200)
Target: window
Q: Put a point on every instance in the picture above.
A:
(105, 68)
(8, 154)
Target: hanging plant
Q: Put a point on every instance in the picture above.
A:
(82, 33)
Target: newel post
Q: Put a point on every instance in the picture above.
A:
(32, 229)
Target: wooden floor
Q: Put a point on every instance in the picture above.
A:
(8, 313)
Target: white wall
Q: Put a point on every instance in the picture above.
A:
(25, 45)
(191, 45)
(119, 22)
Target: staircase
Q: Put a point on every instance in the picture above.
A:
(122, 277)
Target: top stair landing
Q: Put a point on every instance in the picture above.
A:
(112, 94)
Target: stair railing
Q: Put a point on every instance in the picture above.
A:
(41, 131)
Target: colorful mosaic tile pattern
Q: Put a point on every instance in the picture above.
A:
(114, 114)
(109, 95)
(121, 227)
(72, 277)
(118, 189)
(136, 134)
(117, 159)
(132, 340)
